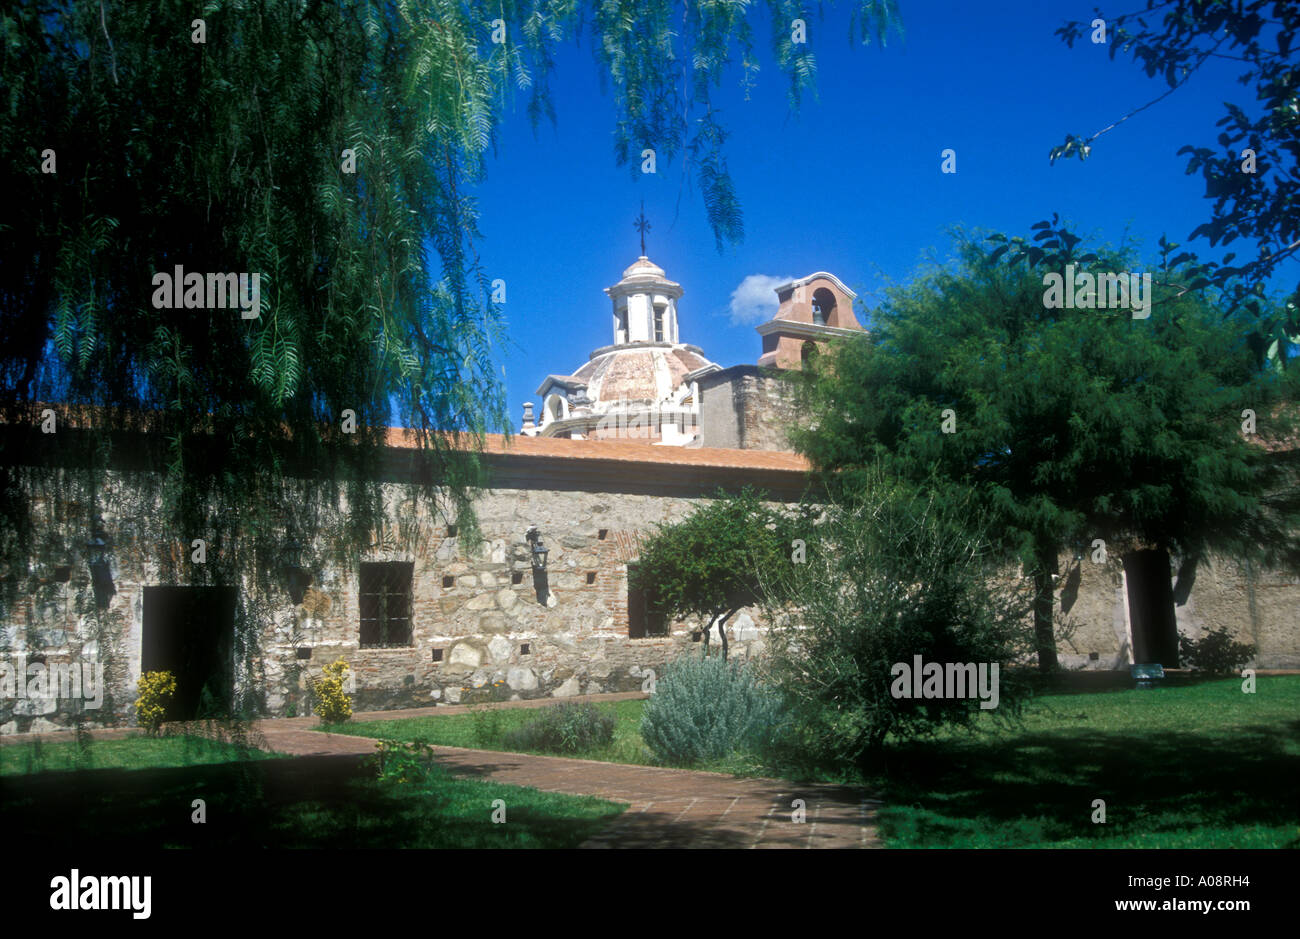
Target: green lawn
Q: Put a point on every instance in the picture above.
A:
(140, 792)
(1203, 766)
(1200, 765)
(486, 730)
(445, 812)
(137, 751)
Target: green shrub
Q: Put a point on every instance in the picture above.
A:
(487, 726)
(398, 762)
(156, 692)
(332, 702)
(1216, 653)
(705, 708)
(565, 728)
(896, 574)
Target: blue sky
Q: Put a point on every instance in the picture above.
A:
(850, 184)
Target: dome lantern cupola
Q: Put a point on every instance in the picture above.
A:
(645, 305)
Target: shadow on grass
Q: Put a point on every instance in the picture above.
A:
(307, 802)
(1040, 789)
(1103, 682)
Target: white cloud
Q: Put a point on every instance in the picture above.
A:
(754, 301)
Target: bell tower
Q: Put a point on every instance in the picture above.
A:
(811, 310)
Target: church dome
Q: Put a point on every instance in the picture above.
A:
(643, 265)
(644, 276)
(649, 373)
(641, 385)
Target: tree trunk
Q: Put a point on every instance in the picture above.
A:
(722, 632)
(708, 632)
(1044, 600)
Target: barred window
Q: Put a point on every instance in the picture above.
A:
(386, 604)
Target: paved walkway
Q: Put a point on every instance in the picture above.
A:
(669, 808)
(683, 809)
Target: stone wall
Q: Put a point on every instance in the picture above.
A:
(480, 608)
(57, 622)
(1256, 606)
(495, 634)
(499, 635)
(746, 408)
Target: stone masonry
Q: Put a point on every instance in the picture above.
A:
(483, 628)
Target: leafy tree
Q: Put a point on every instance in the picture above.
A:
(1255, 195)
(710, 563)
(332, 149)
(1066, 424)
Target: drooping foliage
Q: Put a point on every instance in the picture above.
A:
(332, 149)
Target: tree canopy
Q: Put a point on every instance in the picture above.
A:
(1068, 423)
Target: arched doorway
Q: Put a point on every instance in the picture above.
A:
(808, 354)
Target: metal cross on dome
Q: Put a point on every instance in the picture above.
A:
(642, 224)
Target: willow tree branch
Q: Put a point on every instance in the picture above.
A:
(112, 54)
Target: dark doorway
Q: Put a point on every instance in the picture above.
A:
(1151, 608)
(190, 631)
(644, 618)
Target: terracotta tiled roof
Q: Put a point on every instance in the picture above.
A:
(618, 451)
(621, 451)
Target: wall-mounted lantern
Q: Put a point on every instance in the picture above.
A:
(539, 549)
(296, 577)
(99, 552)
(537, 555)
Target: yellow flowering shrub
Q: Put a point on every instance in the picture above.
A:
(332, 703)
(156, 691)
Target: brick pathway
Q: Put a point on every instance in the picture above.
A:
(669, 808)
